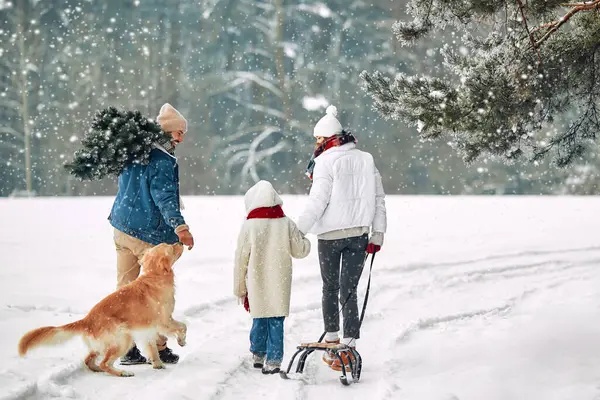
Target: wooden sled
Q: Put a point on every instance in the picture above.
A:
(306, 349)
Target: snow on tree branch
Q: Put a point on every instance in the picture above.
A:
(262, 80)
(554, 26)
(255, 156)
(259, 108)
(500, 93)
(250, 155)
(240, 133)
(10, 131)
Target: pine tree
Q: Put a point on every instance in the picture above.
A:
(115, 139)
(502, 89)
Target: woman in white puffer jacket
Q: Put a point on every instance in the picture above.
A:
(346, 210)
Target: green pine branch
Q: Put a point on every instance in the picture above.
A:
(500, 93)
(115, 139)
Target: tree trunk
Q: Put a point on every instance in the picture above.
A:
(24, 95)
(174, 67)
(280, 64)
(336, 53)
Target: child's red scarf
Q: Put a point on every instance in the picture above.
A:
(266, 213)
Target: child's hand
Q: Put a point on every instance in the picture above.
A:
(246, 303)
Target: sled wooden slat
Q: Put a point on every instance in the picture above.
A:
(322, 345)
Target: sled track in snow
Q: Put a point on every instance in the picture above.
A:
(429, 323)
(198, 310)
(519, 271)
(496, 257)
(242, 368)
(466, 278)
(391, 392)
(53, 309)
(503, 309)
(244, 379)
(49, 385)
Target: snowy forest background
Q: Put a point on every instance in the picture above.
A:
(251, 76)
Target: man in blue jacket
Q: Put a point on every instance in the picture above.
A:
(146, 212)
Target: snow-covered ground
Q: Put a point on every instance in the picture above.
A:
(472, 298)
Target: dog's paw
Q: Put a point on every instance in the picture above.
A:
(158, 366)
(127, 374)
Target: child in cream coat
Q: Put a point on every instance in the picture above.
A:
(263, 271)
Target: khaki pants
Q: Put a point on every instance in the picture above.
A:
(130, 251)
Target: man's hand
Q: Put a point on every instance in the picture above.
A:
(185, 237)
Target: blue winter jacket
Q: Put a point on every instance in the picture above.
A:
(147, 203)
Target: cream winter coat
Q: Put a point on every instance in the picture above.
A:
(346, 193)
(263, 258)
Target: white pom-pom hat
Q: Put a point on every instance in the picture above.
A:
(328, 125)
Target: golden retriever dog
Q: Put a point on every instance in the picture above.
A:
(143, 308)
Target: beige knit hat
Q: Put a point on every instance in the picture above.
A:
(170, 119)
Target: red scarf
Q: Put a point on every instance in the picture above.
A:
(333, 141)
(266, 213)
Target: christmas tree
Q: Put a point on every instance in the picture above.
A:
(511, 70)
(115, 139)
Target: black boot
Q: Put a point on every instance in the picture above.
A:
(133, 357)
(167, 356)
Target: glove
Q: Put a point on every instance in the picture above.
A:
(373, 248)
(185, 236)
(375, 242)
(246, 303)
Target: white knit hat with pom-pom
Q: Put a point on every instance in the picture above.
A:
(328, 125)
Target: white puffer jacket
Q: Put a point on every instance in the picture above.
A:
(346, 193)
(263, 258)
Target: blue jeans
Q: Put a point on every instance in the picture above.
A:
(266, 338)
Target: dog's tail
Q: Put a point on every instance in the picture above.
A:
(50, 335)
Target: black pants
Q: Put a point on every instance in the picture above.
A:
(341, 285)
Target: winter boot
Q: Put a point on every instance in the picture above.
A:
(328, 355)
(167, 356)
(258, 360)
(271, 368)
(133, 357)
(345, 356)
